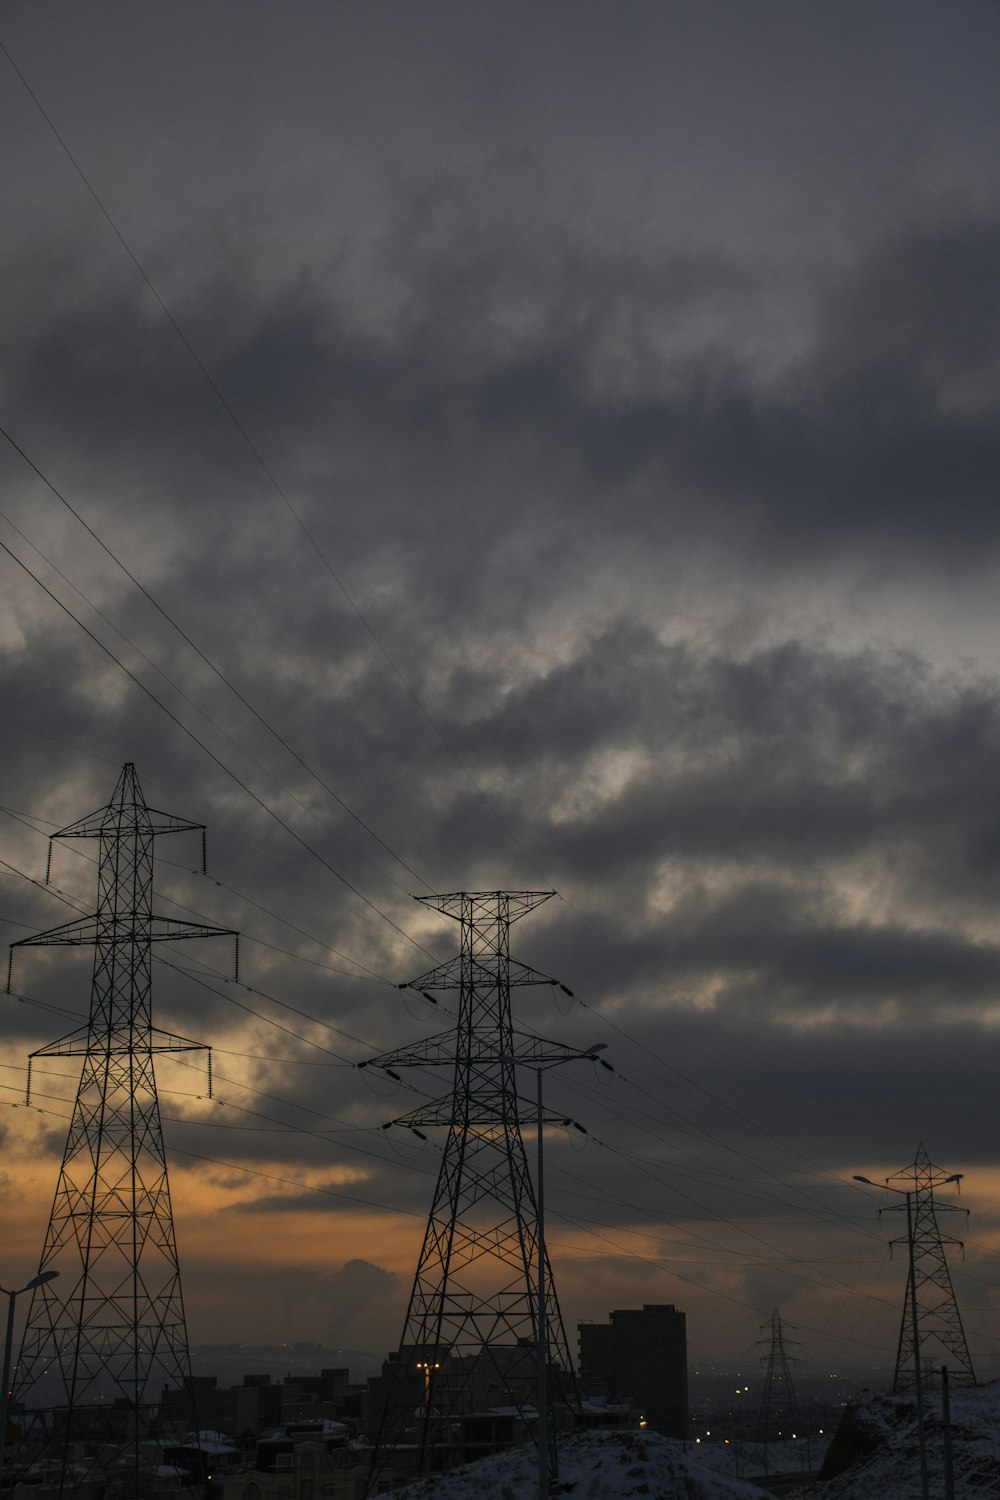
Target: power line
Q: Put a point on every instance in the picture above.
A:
(235, 838)
(265, 468)
(211, 753)
(824, 1212)
(170, 620)
(649, 1055)
(282, 494)
(624, 1154)
(210, 664)
(220, 994)
(370, 978)
(241, 749)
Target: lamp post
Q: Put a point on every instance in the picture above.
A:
(918, 1380)
(428, 1366)
(541, 1064)
(39, 1280)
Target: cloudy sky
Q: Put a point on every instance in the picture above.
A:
(537, 447)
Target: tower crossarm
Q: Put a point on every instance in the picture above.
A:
(458, 972)
(71, 1045)
(479, 1049)
(173, 930)
(80, 1042)
(437, 1112)
(432, 1050)
(939, 1207)
(81, 932)
(104, 821)
(512, 904)
(902, 1242)
(930, 1207)
(941, 1239)
(443, 1112)
(92, 931)
(539, 1051)
(86, 931)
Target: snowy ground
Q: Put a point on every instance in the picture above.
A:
(742, 1459)
(594, 1466)
(882, 1445)
(891, 1470)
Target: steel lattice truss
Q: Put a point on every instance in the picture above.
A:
(103, 1339)
(938, 1318)
(471, 1331)
(779, 1404)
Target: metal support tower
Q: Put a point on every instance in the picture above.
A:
(930, 1311)
(778, 1401)
(471, 1332)
(102, 1339)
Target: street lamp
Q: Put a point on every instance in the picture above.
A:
(39, 1280)
(541, 1064)
(428, 1366)
(918, 1380)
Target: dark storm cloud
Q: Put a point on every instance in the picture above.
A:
(545, 459)
(792, 753)
(879, 442)
(99, 373)
(797, 962)
(789, 760)
(876, 1090)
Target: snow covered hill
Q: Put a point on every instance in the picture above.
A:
(878, 1440)
(593, 1466)
(875, 1453)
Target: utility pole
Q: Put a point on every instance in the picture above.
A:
(930, 1310)
(478, 1309)
(929, 1277)
(12, 1296)
(778, 1401)
(100, 1343)
(946, 1433)
(547, 1447)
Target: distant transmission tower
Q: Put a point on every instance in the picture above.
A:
(778, 1403)
(107, 1331)
(930, 1311)
(471, 1337)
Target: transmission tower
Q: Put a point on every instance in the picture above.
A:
(107, 1330)
(471, 1336)
(778, 1402)
(930, 1311)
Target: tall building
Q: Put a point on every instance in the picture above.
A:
(641, 1355)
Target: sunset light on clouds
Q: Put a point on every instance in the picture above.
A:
(550, 448)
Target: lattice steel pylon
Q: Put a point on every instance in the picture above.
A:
(471, 1331)
(778, 1402)
(930, 1310)
(108, 1330)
